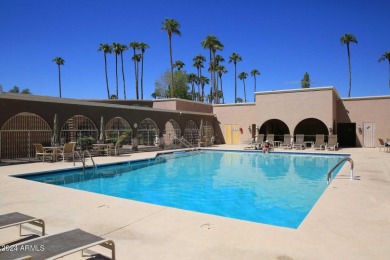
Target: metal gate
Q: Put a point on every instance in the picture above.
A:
(368, 134)
(77, 128)
(116, 127)
(20, 132)
(191, 133)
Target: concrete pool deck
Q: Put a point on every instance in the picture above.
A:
(351, 220)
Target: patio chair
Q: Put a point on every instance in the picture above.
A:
(202, 141)
(332, 143)
(40, 152)
(18, 219)
(319, 144)
(299, 139)
(58, 245)
(115, 149)
(286, 142)
(381, 144)
(68, 151)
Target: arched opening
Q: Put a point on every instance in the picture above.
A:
(79, 129)
(191, 132)
(147, 132)
(20, 132)
(276, 127)
(208, 132)
(171, 130)
(310, 127)
(116, 127)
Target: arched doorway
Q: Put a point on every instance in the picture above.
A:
(310, 127)
(147, 132)
(20, 132)
(171, 130)
(116, 127)
(79, 129)
(276, 127)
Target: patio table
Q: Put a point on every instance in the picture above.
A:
(53, 149)
(101, 148)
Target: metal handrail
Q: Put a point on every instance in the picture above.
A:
(90, 156)
(185, 142)
(329, 176)
(81, 159)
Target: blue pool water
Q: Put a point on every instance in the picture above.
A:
(277, 188)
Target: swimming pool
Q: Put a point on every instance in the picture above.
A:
(277, 188)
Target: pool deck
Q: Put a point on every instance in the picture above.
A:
(350, 221)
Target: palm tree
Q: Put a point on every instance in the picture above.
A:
(217, 60)
(172, 27)
(347, 39)
(136, 58)
(198, 63)
(59, 61)
(123, 48)
(213, 44)
(243, 76)
(143, 46)
(234, 58)
(254, 72)
(203, 81)
(116, 47)
(221, 70)
(386, 56)
(106, 48)
(178, 64)
(192, 79)
(135, 46)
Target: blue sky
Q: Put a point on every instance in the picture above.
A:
(282, 39)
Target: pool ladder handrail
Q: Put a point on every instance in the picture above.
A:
(82, 158)
(187, 144)
(349, 159)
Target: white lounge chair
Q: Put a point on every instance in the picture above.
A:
(332, 143)
(299, 141)
(319, 144)
(286, 142)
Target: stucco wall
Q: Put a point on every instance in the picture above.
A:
(241, 114)
(292, 107)
(373, 110)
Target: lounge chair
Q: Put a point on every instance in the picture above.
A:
(259, 140)
(319, 144)
(287, 142)
(299, 142)
(16, 218)
(68, 151)
(332, 143)
(58, 245)
(270, 138)
(40, 152)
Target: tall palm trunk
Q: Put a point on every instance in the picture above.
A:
(244, 90)
(116, 74)
(349, 69)
(223, 96)
(235, 83)
(59, 78)
(142, 75)
(254, 96)
(105, 68)
(123, 77)
(211, 77)
(170, 54)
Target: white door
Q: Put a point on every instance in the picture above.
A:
(368, 134)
